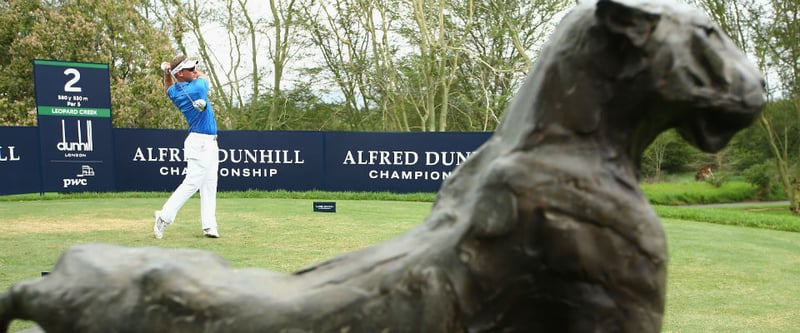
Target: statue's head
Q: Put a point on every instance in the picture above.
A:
(627, 70)
(701, 82)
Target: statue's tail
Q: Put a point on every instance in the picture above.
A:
(13, 305)
(6, 311)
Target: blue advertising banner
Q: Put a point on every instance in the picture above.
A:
(153, 160)
(268, 160)
(73, 102)
(19, 160)
(149, 159)
(395, 162)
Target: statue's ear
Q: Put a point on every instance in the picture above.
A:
(633, 23)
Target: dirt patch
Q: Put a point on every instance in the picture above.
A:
(767, 209)
(27, 226)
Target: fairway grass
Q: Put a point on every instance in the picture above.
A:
(721, 278)
(731, 279)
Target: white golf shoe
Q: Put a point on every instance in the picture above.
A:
(159, 226)
(211, 232)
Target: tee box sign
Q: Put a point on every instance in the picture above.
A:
(73, 102)
(325, 206)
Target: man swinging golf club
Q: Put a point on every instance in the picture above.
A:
(188, 90)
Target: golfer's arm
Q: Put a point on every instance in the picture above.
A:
(167, 82)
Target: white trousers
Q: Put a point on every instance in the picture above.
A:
(202, 164)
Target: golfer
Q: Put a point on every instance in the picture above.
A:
(188, 90)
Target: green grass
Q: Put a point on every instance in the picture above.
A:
(50, 226)
(763, 216)
(722, 278)
(680, 192)
(276, 234)
(731, 279)
(279, 194)
(673, 193)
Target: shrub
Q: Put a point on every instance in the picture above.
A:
(692, 192)
(762, 176)
(717, 180)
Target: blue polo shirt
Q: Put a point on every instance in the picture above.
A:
(199, 122)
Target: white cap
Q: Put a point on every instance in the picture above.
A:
(186, 64)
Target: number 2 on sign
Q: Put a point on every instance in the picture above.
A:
(70, 85)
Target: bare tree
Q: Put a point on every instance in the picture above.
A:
(285, 27)
(379, 20)
(437, 35)
(781, 45)
(242, 33)
(499, 51)
(335, 30)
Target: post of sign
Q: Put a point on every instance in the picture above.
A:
(73, 102)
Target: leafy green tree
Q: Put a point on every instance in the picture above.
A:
(298, 108)
(782, 48)
(17, 19)
(668, 153)
(102, 31)
(754, 160)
